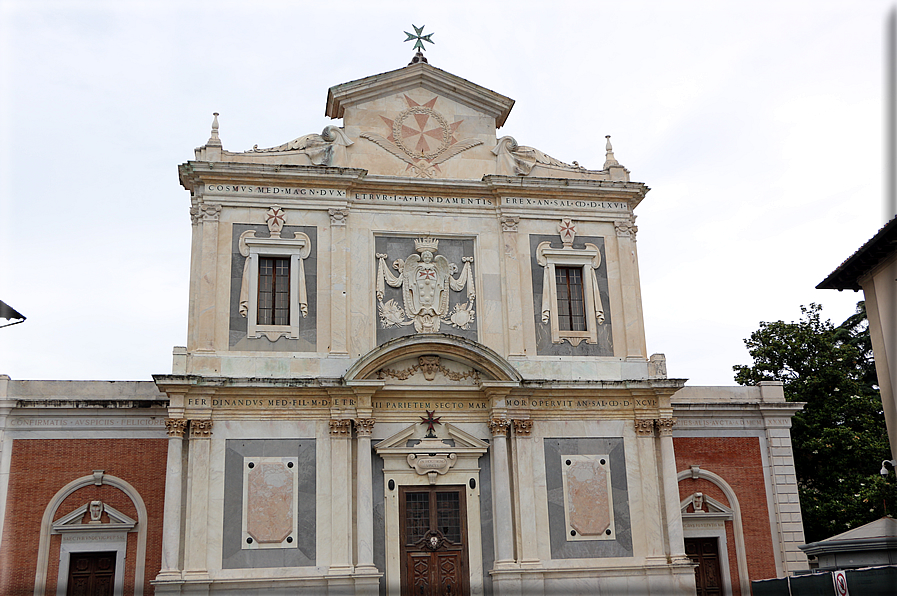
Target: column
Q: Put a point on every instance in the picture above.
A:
(196, 531)
(675, 533)
(341, 491)
(364, 514)
(171, 524)
(501, 490)
(339, 282)
(526, 495)
(513, 306)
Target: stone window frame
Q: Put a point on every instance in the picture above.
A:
(589, 259)
(297, 250)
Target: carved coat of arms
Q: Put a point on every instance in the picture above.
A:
(426, 280)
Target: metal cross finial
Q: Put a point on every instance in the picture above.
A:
(418, 45)
(430, 420)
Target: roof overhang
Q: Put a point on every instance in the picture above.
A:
(880, 247)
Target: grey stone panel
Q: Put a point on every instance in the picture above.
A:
(379, 538)
(561, 548)
(232, 555)
(486, 528)
(401, 248)
(544, 347)
(307, 341)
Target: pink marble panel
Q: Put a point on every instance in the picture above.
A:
(587, 498)
(269, 502)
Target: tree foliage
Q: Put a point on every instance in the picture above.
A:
(839, 438)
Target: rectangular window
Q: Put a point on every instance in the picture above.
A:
(571, 300)
(274, 291)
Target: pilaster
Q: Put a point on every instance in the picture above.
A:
(207, 310)
(196, 530)
(649, 517)
(667, 469)
(341, 497)
(364, 512)
(528, 543)
(633, 322)
(339, 281)
(513, 306)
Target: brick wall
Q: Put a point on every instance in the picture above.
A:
(40, 467)
(738, 461)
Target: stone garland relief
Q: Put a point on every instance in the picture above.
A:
(428, 366)
(422, 138)
(426, 280)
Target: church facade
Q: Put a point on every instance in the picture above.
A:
(415, 364)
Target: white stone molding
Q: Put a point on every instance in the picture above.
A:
(71, 522)
(589, 259)
(269, 485)
(325, 149)
(428, 366)
(43, 549)
(426, 280)
(740, 549)
(338, 217)
(210, 212)
(433, 464)
(297, 249)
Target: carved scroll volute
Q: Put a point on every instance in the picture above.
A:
(364, 427)
(644, 427)
(340, 428)
(665, 426)
(176, 427)
(522, 427)
(499, 427)
(200, 429)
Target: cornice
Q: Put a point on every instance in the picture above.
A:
(339, 97)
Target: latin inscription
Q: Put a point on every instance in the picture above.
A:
(85, 422)
(248, 189)
(362, 197)
(265, 403)
(413, 405)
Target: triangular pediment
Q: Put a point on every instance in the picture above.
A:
(413, 438)
(709, 507)
(414, 77)
(74, 521)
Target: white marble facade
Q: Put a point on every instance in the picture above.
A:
(421, 249)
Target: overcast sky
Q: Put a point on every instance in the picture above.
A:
(758, 125)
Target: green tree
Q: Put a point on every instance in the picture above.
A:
(839, 438)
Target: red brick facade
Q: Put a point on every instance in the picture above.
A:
(738, 461)
(39, 468)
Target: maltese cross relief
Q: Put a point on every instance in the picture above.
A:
(422, 138)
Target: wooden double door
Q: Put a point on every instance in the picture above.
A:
(434, 541)
(91, 574)
(705, 552)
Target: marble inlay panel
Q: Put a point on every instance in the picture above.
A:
(589, 505)
(269, 501)
(270, 486)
